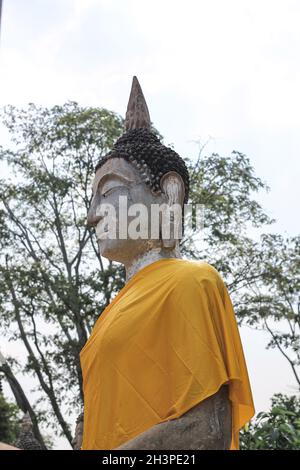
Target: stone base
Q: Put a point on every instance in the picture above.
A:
(7, 447)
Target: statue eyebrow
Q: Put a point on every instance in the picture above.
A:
(122, 178)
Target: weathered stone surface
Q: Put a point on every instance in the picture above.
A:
(206, 426)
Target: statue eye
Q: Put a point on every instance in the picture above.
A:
(106, 193)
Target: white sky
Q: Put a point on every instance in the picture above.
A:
(228, 70)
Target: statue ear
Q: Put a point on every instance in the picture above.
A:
(173, 187)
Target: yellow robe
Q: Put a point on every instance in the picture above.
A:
(166, 342)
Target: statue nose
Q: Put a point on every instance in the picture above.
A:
(92, 217)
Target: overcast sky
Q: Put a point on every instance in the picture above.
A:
(228, 71)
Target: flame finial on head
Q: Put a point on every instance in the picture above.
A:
(137, 114)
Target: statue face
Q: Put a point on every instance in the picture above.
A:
(114, 181)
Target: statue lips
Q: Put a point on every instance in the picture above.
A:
(101, 233)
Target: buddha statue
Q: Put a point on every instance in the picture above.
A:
(164, 366)
(26, 439)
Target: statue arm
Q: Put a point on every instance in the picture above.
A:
(205, 426)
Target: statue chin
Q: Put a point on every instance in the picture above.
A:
(126, 250)
(114, 249)
(109, 248)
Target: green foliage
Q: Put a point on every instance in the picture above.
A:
(277, 429)
(9, 421)
(227, 188)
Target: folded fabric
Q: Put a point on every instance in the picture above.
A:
(166, 342)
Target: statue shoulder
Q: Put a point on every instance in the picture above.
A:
(192, 279)
(198, 271)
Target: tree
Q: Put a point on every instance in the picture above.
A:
(277, 429)
(226, 187)
(273, 301)
(21, 399)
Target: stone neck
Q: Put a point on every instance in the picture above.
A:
(143, 260)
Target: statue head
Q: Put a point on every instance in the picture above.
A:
(26, 423)
(136, 178)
